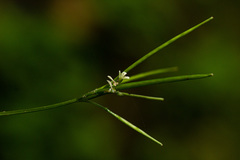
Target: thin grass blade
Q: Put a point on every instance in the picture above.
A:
(140, 96)
(127, 122)
(165, 44)
(150, 73)
(161, 80)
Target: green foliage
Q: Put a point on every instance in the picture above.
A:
(115, 86)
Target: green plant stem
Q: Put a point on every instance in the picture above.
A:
(127, 122)
(139, 96)
(104, 89)
(165, 44)
(161, 80)
(37, 109)
(100, 92)
(150, 73)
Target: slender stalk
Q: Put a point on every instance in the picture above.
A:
(100, 92)
(139, 96)
(165, 44)
(150, 73)
(37, 109)
(127, 122)
(161, 80)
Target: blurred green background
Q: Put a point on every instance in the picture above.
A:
(55, 50)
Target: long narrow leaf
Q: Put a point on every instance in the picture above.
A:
(150, 73)
(165, 44)
(126, 122)
(161, 80)
(140, 96)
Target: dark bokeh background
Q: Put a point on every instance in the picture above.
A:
(55, 50)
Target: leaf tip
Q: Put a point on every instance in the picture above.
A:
(160, 144)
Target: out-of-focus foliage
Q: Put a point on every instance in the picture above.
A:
(51, 51)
